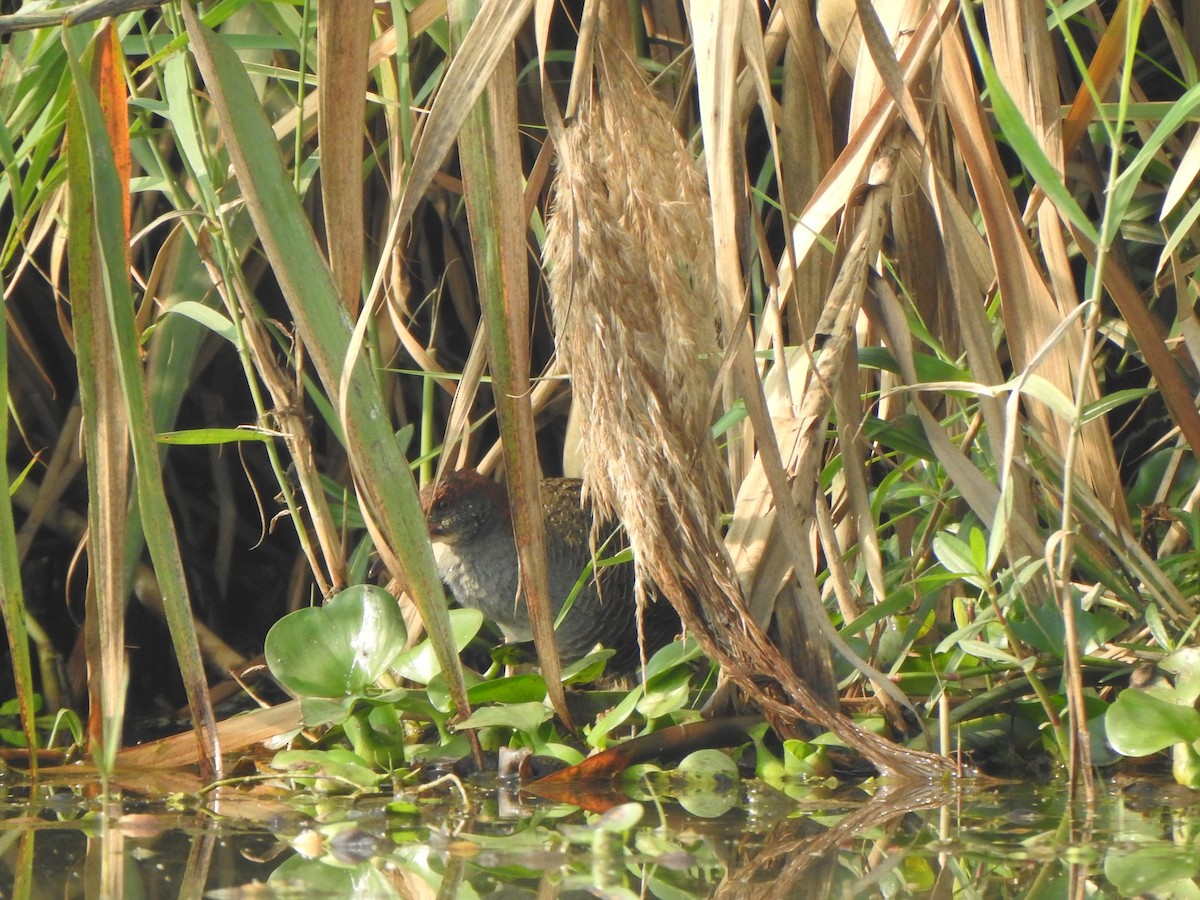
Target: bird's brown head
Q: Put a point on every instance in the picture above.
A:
(462, 506)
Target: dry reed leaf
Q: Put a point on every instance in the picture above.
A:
(381, 48)
(847, 173)
(880, 29)
(879, 70)
(457, 431)
(1101, 71)
(548, 388)
(1148, 333)
(806, 151)
(970, 271)
(1024, 294)
(234, 733)
(924, 38)
(343, 39)
(718, 35)
(759, 557)
(858, 524)
(839, 23)
(1023, 55)
(489, 39)
(1185, 174)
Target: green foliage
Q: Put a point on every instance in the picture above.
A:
(346, 659)
(62, 728)
(339, 649)
(1001, 514)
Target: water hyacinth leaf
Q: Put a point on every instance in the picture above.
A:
(674, 654)
(1044, 630)
(377, 735)
(706, 783)
(620, 819)
(978, 551)
(1142, 871)
(1158, 630)
(317, 878)
(338, 649)
(666, 693)
(614, 718)
(903, 434)
(528, 688)
(1185, 765)
(588, 669)
(1139, 723)
(523, 717)
(1185, 665)
(317, 712)
(712, 765)
(804, 760)
(330, 771)
(420, 663)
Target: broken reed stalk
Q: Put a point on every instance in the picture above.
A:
(629, 249)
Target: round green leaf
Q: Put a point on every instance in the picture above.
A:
(338, 649)
(1139, 723)
(712, 765)
(1142, 871)
(706, 783)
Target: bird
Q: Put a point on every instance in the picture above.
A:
(469, 522)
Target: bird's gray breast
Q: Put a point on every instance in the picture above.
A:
(486, 579)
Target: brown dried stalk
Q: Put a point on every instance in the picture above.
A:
(629, 248)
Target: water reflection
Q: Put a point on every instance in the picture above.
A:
(1003, 840)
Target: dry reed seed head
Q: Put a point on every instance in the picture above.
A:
(632, 285)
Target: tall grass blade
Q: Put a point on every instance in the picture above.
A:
(492, 179)
(108, 200)
(381, 475)
(105, 419)
(12, 597)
